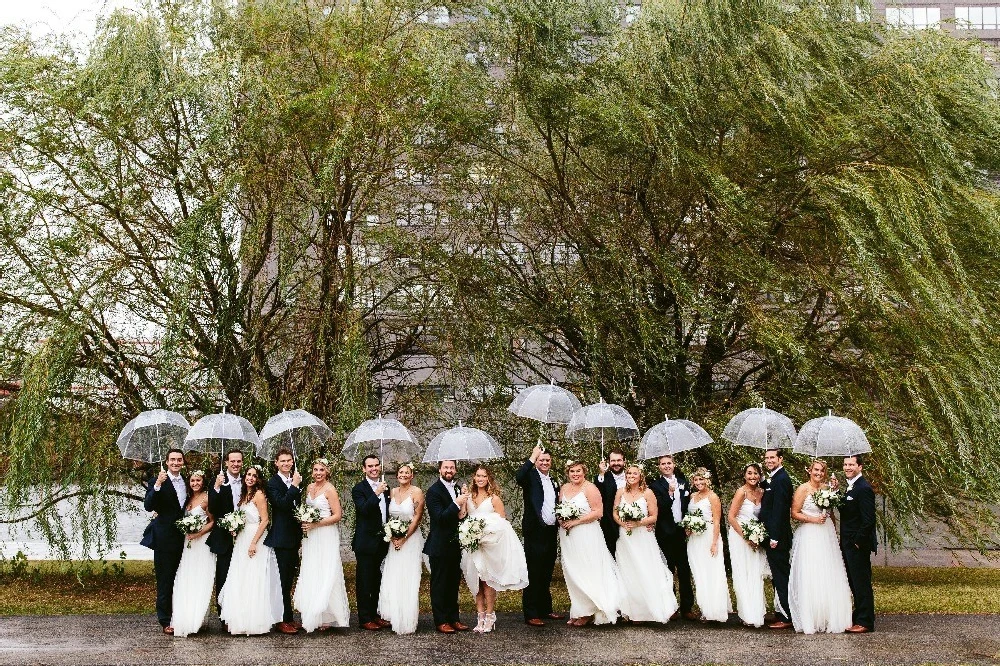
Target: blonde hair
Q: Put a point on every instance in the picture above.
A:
(570, 464)
(702, 473)
(404, 466)
(821, 463)
(641, 485)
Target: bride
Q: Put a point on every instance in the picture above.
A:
(592, 578)
(399, 595)
(196, 573)
(819, 596)
(251, 598)
(649, 586)
(748, 560)
(498, 564)
(320, 594)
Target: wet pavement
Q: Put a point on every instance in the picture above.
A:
(136, 639)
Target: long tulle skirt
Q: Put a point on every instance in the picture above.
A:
(193, 587)
(251, 598)
(499, 560)
(819, 596)
(749, 570)
(592, 576)
(711, 590)
(649, 586)
(399, 595)
(320, 594)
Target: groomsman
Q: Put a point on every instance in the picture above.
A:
(775, 513)
(444, 504)
(609, 481)
(223, 498)
(858, 542)
(539, 528)
(371, 506)
(284, 534)
(166, 496)
(673, 494)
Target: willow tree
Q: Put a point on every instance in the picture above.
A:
(196, 211)
(730, 202)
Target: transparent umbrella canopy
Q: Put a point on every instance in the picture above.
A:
(217, 432)
(831, 436)
(672, 436)
(386, 438)
(462, 443)
(295, 429)
(546, 403)
(602, 422)
(761, 428)
(149, 436)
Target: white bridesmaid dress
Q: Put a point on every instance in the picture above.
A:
(321, 594)
(499, 561)
(649, 586)
(251, 598)
(193, 584)
(711, 590)
(592, 576)
(399, 595)
(749, 569)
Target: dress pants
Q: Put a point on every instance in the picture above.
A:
(859, 575)
(368, 580)
(165, 564)
(446, 577)
(540, 553)
(288, 571)
(222, 561)
(781, 569)
(675, 551)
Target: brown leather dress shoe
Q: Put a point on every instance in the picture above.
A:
(445, 629)
(458, 626)
(287, 628)
(371, 626)
(858, 629)
(169, 631)
(691, 615)
(780, 625)
(534, 622)
(383, 623)
(556, 616)
(675, 616)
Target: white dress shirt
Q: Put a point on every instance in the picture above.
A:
(381, 498)
(619, 479)
(850, 482)
(286, 479)
(178, 483)
(548, 509)
(675, 501)
(235, 487)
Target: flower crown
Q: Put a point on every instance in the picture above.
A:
(321, 461)
(405, 464)
(260, 470)
(197, 472)
(640, 465)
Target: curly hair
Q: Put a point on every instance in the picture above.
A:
(702, 473)
(641, 485)
(492, 487)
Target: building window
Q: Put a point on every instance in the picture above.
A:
(976, 18)
(913, 17)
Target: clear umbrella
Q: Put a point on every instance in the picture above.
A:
(387, 438)
(672, 436)
(831, 436)
(462, 443)
(218, 430)
(149, 435)
(760, 428)
(547, 403)
(602, 421)
(295, 429)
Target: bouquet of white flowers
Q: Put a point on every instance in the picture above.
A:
(826, 499)
(694, 521)
(191, 523)
(754, 531)
(306, 514)
(396, 528)
(568, 511)
(470, 533)
(234, 522)
(631, 512)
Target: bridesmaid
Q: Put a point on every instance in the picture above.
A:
(196, 573)
(705, 552)
(320, 594)
(399, 594)
(748, 560)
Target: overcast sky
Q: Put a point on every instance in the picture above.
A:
(78, 16)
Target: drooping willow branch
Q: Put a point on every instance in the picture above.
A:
(51, 502)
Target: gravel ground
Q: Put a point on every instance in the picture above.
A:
(136, 639)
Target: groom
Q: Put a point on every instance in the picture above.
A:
(166, 496)
(775, 513)
(444, 504)
(371, 511)
(284, 534)
(858, 542)
(540, 530)
(673, 495)
(223, 498)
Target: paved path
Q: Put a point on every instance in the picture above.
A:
(136, 639)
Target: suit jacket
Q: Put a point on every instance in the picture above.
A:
(443, 537)
(369, 534)
(667, 528)
(220, 502)
(608, 489)
(284, 530)
(530, 481)
(857, 517)
(161, 533)
(776, 509)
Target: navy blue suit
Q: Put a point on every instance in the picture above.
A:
(444, 552)
(166, 541)
(671, 537)
(857, 543)
(539, 543)
(775, 513)
(370, 547)
(220, 541)
(608, 488)
(284, 535)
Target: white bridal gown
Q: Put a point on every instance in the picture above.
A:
(320, 594)
(819, 596)
(711, 590)
(398, 597)
(592, 576)
(649, 586)
(193, 584)
(499, 560)
(251, 598)
(749, 569)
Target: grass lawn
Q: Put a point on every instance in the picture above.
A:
(61, 588)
